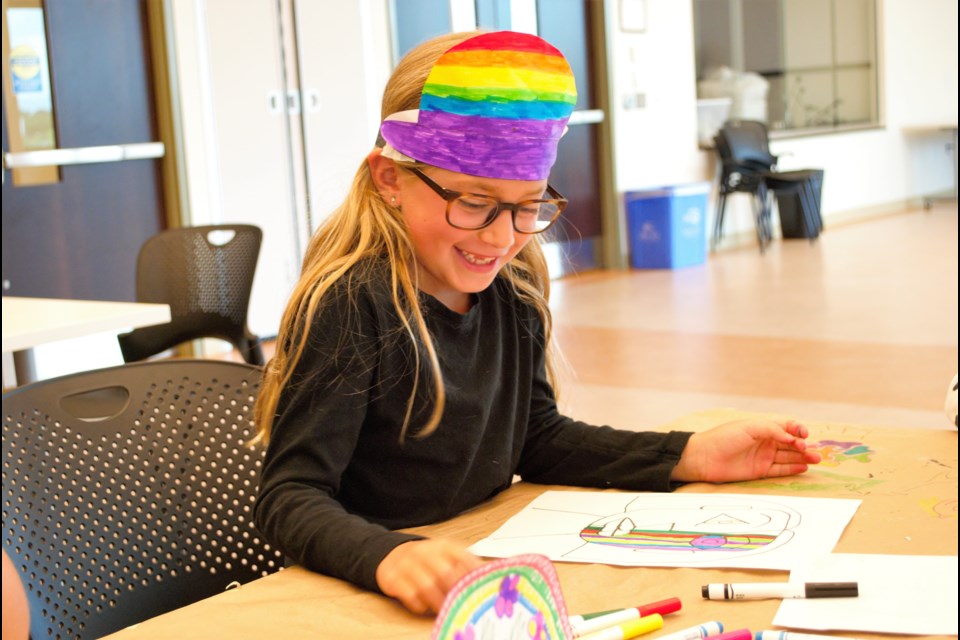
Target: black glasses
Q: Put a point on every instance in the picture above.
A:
(472, 211)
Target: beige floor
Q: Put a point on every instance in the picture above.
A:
(860, 326)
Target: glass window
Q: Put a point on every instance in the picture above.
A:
(798, 65)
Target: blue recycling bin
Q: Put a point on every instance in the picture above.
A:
(667, 226)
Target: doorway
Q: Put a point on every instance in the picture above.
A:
(76, 233)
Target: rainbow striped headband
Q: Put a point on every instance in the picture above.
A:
(494, 106)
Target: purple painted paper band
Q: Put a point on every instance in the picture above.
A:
(523, 158)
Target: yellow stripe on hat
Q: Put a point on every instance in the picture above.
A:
(509, 59)
(497, 77)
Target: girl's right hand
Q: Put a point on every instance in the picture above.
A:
(419, 573)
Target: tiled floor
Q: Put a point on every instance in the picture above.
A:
(860, 326)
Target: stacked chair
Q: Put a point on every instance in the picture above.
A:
(747, 166)
(128, 492)
(205, 274)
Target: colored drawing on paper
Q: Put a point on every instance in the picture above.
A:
(683, 529)
(515, 598)
(834, 452)
(694, 532)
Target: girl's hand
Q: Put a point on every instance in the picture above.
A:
(745, 450)
(421, 572)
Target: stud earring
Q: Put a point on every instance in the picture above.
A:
(393, 200)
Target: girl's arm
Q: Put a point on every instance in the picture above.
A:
(318, 422)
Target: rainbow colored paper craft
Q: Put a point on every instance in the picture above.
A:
(516, 598)
(495, 106)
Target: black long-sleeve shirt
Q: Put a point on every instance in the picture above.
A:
(337, 478)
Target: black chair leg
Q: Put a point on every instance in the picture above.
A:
(718, 222)
(766, 214)
(808, 217)
(813, 189)
(762, 210)
(758, 208)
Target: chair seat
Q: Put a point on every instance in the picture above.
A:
(786, 179)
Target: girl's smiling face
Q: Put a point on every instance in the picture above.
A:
(455, 263)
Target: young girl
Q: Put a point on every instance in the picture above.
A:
(412, 377)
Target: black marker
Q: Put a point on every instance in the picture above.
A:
(764, 590)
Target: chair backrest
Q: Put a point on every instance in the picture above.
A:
(205, 274)
(128, 492)
(747, 145)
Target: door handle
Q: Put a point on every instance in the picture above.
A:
(83, 155)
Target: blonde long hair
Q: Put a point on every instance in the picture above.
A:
(364, 227)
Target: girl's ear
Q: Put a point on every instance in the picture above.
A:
(386, 176)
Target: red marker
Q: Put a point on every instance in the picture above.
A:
(592, 622)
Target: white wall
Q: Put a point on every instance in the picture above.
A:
(656, 144)
(866, 172)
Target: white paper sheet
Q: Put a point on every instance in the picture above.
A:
(898, 594)
(672, 530)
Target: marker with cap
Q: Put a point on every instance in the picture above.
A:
(590, 623)
(763, 590)
(790, 635)
(704, 630)
(628, 629)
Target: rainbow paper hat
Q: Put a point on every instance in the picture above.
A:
(495, 106)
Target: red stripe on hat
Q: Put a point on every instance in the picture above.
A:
(508, 41)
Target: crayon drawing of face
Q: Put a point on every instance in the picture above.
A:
(694, 532)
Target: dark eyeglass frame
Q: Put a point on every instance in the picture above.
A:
(451, 196)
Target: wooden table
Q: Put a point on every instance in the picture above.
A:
(28, 322)
(908, 485)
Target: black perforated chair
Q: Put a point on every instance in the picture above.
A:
(205, 274)
(747, 166)
(128, 492)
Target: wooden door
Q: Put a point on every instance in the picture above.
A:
(78, 236)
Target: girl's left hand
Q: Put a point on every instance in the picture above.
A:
(745, 450)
